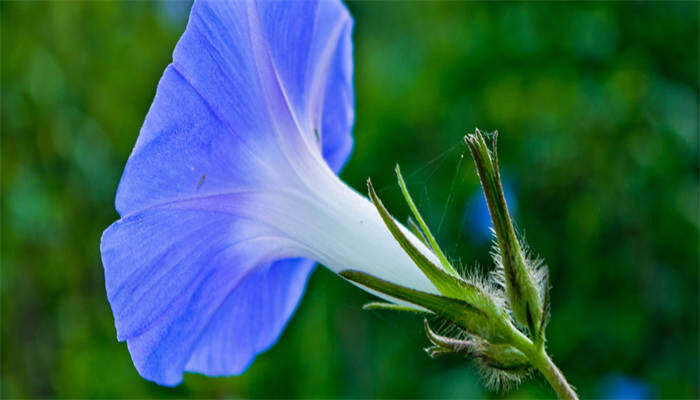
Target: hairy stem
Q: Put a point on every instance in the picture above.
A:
(554, 376)
(540, 359)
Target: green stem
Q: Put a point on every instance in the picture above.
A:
(540, 359)
(554, 376)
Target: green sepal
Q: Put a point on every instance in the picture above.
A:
(463, 314)
(428, 235)
(437, 351)
(503, 357)
(416, 231)
(448, 285)
(377, 305)
(444, 344)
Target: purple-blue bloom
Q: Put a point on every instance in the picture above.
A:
(231, 193)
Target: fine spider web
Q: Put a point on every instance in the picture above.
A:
(426, 185)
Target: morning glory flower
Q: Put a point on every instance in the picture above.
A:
(230, 194)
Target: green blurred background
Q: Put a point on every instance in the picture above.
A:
(597, 108)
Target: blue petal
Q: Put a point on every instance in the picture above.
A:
(194, 284)
(270, 295)
(320, 88)
(336, 111)
(206, 298)
(186, 151)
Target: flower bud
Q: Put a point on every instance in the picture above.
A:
(518, 275)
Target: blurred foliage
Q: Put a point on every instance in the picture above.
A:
(597, 106)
